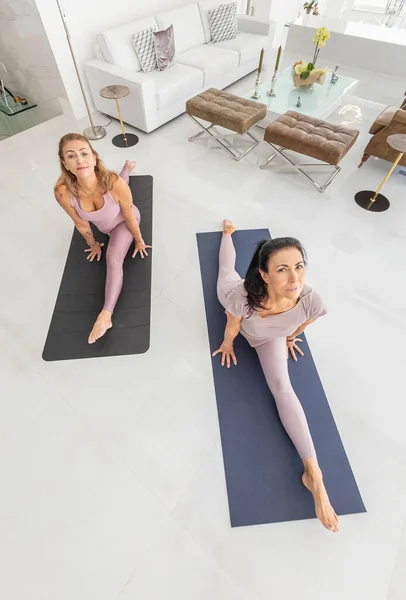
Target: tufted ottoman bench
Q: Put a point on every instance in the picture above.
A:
(319, 139)
(222, 109)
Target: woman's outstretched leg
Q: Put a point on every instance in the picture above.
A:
(126, 170)
(119, 243)
(272, 356)
(228, 277)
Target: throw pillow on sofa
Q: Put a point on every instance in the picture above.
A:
(144, 47)
(223, 22)
(164, 47)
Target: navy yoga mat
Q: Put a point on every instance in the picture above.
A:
(263, 470)
(81, 294)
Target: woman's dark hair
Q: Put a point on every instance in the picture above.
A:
(254, 285)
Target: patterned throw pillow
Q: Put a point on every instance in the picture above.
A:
(223, 22)
(164, 47)
(144, 47)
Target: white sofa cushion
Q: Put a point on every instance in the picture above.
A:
(248, 46)
(177, 83)
(144, 46)
(223, 22)
(210, 59)
(117, 46)
(204, 8)
(187, 25)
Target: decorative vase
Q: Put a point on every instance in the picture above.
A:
(305, 88)
(306, 85)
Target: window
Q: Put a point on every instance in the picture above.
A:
(395, 7)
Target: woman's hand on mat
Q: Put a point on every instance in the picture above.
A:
(227, 355)
(95, 252)
(141, 247)
(292, 347)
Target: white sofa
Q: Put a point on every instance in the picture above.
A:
(159, 96)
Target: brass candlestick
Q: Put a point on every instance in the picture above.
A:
(256, 93)
(272, 92)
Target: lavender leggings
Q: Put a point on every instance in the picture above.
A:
(272, 356)
(120, 240)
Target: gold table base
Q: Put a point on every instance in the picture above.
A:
(116, 92)
(375, 201)
(121, 122)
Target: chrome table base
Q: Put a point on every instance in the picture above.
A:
(206, 133)
(297, 167)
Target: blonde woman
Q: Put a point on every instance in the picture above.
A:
(89, 192)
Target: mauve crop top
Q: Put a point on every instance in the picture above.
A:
(258, 330)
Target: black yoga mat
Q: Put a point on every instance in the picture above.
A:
(263, 470)
(81, 294)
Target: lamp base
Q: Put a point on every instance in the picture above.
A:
(94, 133)
(120, 142)
(363, 199)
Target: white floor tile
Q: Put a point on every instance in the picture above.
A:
(177, 425)
(87, 522)
(24, 394)
(176, 568)
(170, 439)
(398, 582)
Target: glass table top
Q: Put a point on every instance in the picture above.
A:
(313, 103)
(15, 107)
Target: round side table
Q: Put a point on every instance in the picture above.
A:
(375, 201)
(115, 92)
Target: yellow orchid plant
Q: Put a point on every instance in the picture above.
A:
(302, 68)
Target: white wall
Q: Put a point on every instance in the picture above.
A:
(283, 11)
(27, 55)
(262, 8)
(85, 19)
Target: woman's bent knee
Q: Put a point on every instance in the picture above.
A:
(114, 256)
(280, 385)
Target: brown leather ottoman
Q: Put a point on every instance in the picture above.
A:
(319, 139)
(231, 112)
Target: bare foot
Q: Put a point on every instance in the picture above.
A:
(102, 324)
(313, 480)
(129, 165)
(228, 227)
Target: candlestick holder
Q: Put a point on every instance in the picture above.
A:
(334, 76)
(272, 92)
(256, 93)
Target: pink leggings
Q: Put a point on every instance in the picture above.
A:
(121, 239)
(272, 356)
